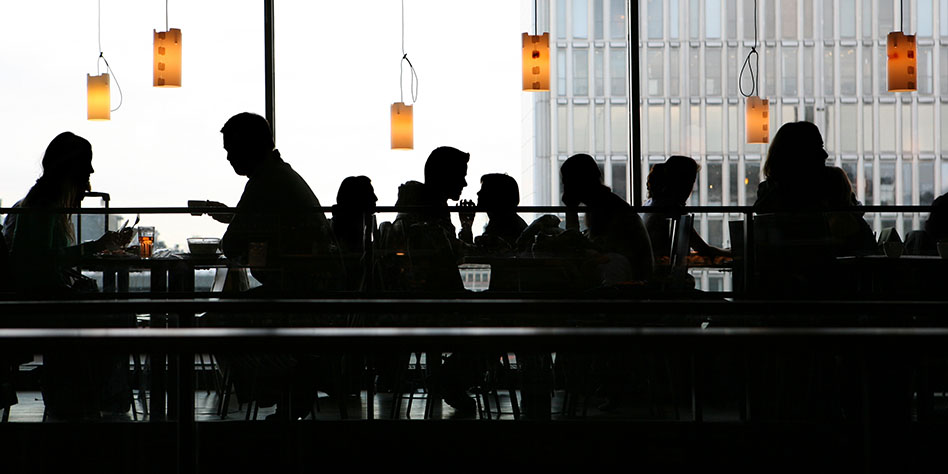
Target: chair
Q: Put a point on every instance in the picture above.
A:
(792, 254)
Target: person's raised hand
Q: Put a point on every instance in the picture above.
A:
(224, 217)
(466, 217)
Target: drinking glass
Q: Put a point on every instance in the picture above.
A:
(146, 241)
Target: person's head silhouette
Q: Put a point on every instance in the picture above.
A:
(67, 163)
(581, 178)
(248, 141)
(795, 153)
(445, 171)
(673, 180)
(499, 193)
(356, 194)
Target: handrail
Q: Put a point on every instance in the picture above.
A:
(456, 209)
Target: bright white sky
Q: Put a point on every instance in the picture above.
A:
(337, 75)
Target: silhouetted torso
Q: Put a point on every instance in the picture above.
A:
(275, 209)
(615, 227)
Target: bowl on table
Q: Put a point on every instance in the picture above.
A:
(203, 245)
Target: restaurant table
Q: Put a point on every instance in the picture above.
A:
(168, 273)
(913, 276)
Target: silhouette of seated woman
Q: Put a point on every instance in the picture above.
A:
(355, 206)
(43, 254)
(669, 186)
(43, 248)
(925, 241)
(612, 226)
(500, 196)
(797, 179)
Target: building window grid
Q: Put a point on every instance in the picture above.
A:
(907, 152)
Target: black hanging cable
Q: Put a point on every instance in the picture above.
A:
(747, 64)
(902, 16)
(106, 61)
(401, 69)
(166, 16)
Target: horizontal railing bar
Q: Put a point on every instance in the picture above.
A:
(485, 306)
(455, 209)
(480, 339)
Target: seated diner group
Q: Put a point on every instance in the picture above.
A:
(290, 248)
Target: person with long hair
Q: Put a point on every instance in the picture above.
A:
(43, 247)
(44, 253)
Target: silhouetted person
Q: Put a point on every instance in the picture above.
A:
(355, 206)
(275, 228)
(427, 234)
(612, 225)
(500, 196)
(796, 160)
(288, 248)
(849, 232)
(43, 247)
(44, 252)
(426, 238)
(669, 185)
(925, 242)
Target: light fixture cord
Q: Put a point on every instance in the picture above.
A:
(401, 68)
(102, 58)
(166, 16)
(747, 64)
(536, 19)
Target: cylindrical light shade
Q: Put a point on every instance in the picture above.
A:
(167, 70)
(403, 135)
(757, 120)
(902, 62)
(536, 62)
(97, 93)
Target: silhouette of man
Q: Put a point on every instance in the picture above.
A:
(429, 228)
(273, 231)
(274, 224)
(612, 225)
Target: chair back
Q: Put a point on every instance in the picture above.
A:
(681, 241)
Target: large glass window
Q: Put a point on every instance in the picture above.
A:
(617, 29)
(715, 182)
(561, 19)
(925, 79)
(599, 124)
(887, 183)
(656, 129)
(847, 18)
(789, 67)
(694, 19)
(581, 128)
(694, 72)
(562, 128)
(561, 72)
(828, 69)
(580, 19)
(926, 128)
(886, 17)
(674, 130)
(847, 71)
(887, 132)
(714, 121)
(580, 72)
(655, 19)
(848, 128)
(617, 78)
(808, 76)
(827, 18)
(673, 19)
(656, 76)
(926, 182)
(598, 25)
(924, 18)
(599, 72)
(867, 70)
(620, 128)
(788, 19)
(712, 72)
(712, 19)
(732, 71)
(674, 72)
(731, 19)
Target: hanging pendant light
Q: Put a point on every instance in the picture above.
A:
(403, 133)
(757, 120)
(97, 92)
(536, 58)
(98, 87)
(902, 63)
(901, 67)
(757, 110)
(167, 68)
(403, 137)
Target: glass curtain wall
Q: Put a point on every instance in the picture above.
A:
(822, 61)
